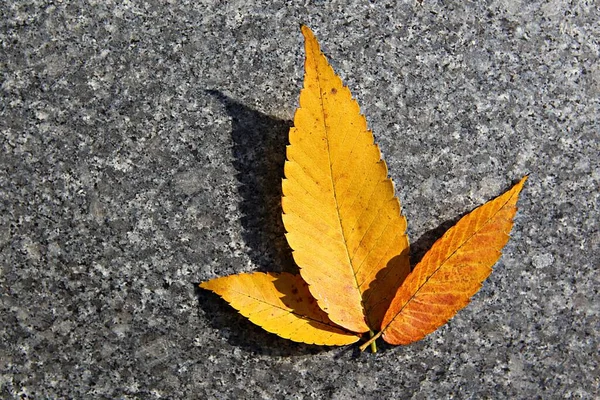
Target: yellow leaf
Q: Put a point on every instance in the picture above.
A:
(281, 304)
(452, 271)
(342, 219)
(348, 237)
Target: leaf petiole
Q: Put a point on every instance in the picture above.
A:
(371, 341)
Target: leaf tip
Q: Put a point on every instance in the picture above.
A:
(516, 189)
(306, 31)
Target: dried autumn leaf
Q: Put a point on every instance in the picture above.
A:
(452, 271)
(348, 237)
(281, 304)
(342, 219)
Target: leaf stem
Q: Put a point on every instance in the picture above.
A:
(371, 342)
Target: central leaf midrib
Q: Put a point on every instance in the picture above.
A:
(337, 208)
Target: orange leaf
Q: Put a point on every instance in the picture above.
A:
(452, 271)
(342, 219)
(281, 304)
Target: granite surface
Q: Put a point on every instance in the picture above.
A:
(142, 151)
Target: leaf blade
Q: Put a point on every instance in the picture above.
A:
(334, 170)
(280, 304)
(452, 271)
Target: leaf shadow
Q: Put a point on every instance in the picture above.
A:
(386, 283)
(259, 148)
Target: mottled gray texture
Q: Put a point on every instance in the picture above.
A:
(142, 150)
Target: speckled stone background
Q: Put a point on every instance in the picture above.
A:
(142, 151)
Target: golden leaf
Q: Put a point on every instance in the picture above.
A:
(281, 304)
